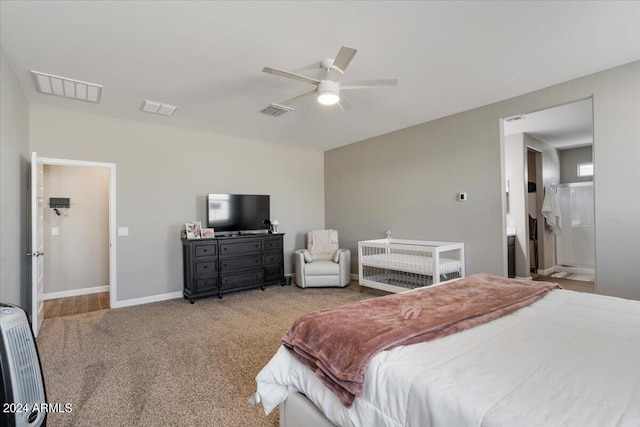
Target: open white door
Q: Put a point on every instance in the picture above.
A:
(37, 239)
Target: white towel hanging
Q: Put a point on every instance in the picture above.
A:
(551, 210)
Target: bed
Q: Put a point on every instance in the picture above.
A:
(567, 359)
(397, 265)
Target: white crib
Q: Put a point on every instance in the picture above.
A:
(397, 265)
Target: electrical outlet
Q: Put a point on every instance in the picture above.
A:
(55, 231)
(123, 231)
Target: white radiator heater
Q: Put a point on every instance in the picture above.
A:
(22, 389)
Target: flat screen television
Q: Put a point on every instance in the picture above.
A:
(238, 212)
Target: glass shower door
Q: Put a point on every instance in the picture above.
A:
(576, 242)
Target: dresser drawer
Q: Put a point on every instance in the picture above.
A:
(273, 244)
(232, 281)
(273, 274)
(205, 250)
(203, 268)
(239, 248)
(274, 259)
(204, 285)
(252, 261)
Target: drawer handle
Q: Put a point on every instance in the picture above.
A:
(224, 265)
(205, 266)
(225, 249)
(204, 250)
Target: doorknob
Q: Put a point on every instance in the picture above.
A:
(35, 254)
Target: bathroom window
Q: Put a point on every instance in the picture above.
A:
(585, 169)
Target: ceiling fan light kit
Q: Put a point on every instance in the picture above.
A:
(328, 90)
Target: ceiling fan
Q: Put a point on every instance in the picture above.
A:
(328, 90)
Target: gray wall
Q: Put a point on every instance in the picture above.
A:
(569, 160)
(78, 257)
(522, 203)
(407, 180)
(14, 173)
(514, 172)
(163, 176)
(550, 171)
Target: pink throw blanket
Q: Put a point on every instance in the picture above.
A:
(338, 343)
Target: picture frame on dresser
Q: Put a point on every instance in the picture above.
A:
(193, 229)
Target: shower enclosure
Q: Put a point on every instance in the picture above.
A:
(575, 245)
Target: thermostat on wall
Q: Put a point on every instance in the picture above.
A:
(59, 202)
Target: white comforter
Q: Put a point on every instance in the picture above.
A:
(569, 359)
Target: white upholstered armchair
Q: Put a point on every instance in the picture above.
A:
(323, 263)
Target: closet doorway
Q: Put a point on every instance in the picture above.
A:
(549, 168)
(79, 236)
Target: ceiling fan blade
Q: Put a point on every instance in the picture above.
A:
(342, 61)
(343, 103)
(298, 97)
(362, 84)
(289, 75)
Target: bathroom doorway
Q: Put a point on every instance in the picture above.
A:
(79, 235)
(549, 166)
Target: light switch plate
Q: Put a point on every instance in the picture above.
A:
(123, 231)
(55, 231)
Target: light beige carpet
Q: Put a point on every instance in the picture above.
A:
(173, 363)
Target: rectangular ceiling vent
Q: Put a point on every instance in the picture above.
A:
(67, 88)
(158, 108)
(276, 110)
(514, 118)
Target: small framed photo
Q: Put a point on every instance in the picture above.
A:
(193, 229)
(208, 233)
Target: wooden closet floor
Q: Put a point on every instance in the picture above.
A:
(76, 305)
(572, 285)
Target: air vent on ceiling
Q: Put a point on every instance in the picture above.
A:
(514, 118)
(276, 110)
(158, 108)
(67, 88)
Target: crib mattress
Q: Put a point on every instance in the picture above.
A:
(412, 263)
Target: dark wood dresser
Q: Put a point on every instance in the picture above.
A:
(228, 264)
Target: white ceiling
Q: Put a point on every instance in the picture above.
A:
(565, 126)
(207, 57)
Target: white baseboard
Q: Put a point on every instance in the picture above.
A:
(147, 300)
(75, 292)
(354, 277)
(576, 270)
(547, 272)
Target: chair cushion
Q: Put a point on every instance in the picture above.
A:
(323, 257)
(334, 240)
(321, 242)
(321, 268)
